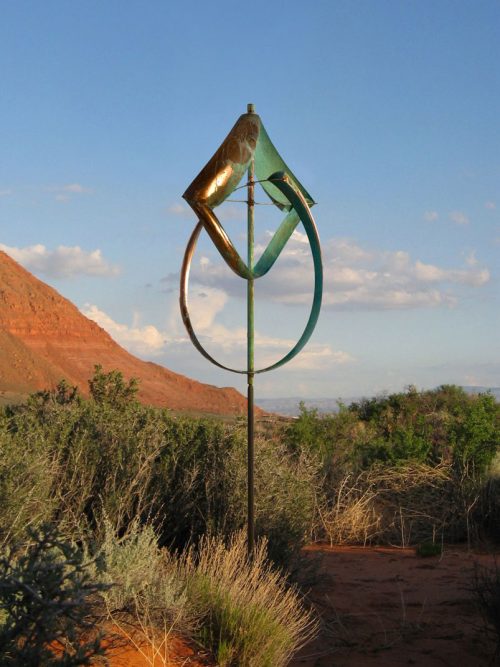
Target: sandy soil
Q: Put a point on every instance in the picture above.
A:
(379, 607)
(388, 607)
(132, 649)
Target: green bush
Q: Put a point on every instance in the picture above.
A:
(26, 482)
(444, 425)
(76, 462)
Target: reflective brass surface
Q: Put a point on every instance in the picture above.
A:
(222, 173)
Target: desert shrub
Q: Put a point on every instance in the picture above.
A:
(201, 481)
(329, 437)
(196, 486)
(128, 563)
(26, 476)
(75, 461)
(287, 488)
(143, 586)
(99, 456)
(244, 611)
(486, 513)
(249, 617)
(46, 604)
(402, 505)
(111, 388)
(417, 502)
(444, 425)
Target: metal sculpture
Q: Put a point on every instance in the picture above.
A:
(247, 148)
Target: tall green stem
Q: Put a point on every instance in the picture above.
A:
(250, 353)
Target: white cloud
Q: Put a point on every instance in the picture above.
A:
(5, 193)
(227, 345)
(429, 273)
(354, 277)
(63, 193)
(75, 188)
(490, 205)
(459, 218)
(146, 340)
(431, 216)
(204, 305)
(180, 210)
(63, 262)
(319, 357)
(471, 259)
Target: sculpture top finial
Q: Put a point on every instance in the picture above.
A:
(250, 108)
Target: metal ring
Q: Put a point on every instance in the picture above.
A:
(302, 209)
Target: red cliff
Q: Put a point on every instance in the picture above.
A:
(44, 338)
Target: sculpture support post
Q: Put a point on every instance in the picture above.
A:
(250, 354)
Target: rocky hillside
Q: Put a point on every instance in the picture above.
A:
(44, 338)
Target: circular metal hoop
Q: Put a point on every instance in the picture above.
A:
(313, 237)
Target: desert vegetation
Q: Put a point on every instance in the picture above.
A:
(144, 511)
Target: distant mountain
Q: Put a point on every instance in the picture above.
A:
(483, 390)
(290, 407)
(44, 338)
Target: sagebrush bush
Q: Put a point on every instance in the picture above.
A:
(26, 484)
(129, 564)
(145, 598)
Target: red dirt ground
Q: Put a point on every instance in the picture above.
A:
(137, 651)
(380, 607)
(387, 607)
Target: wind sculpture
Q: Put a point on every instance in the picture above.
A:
(247, 148)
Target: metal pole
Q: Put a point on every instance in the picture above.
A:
(250, 352)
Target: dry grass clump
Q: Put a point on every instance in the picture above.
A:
(402, 505)
(248, 615)
(416, 502)
(350, 518)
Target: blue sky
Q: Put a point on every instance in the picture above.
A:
(388, 112)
